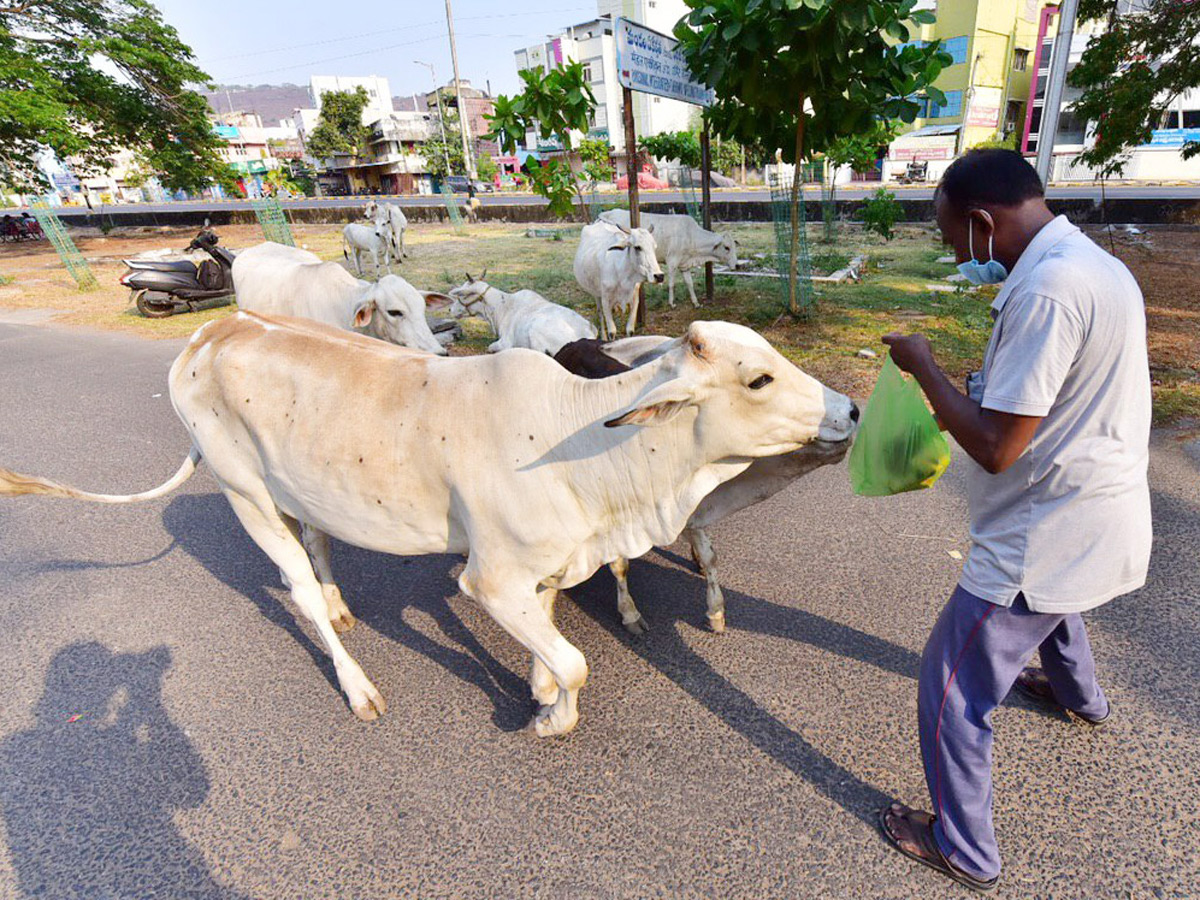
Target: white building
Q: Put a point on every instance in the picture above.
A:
(379, 94)
(592, 43)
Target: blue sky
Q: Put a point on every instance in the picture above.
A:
(278, 41)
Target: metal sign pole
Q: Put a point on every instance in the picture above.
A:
(706, 197)
(1060, 58)
(631, 169)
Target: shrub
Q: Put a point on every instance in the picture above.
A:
(881, 212)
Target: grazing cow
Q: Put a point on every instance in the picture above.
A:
(610, 264)
(360, 239)
(524, 319)
(765, 477)
(391, 218)
(286, 281)
(682, 246)
(550, 477)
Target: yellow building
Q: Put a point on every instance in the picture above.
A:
(993, 44)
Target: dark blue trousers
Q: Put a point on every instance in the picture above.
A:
(973, 656)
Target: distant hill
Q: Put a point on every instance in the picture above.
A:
(270, 101)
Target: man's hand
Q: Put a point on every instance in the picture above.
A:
(909, 351)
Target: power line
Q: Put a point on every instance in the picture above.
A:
(408, 27)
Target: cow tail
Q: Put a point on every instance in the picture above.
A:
(13, 484)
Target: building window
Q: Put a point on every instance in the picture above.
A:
(1020, 60)
(952, 107)
(1012, 115)
(1191, 118)
(587, 72)
(957, 48)
(1172, 120)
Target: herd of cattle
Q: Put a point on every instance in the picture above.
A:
(327, 407)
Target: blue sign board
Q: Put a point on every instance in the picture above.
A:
(1174, 137)
(228, 132)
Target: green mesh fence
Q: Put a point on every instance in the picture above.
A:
(53, 228)
(781, 214)
(273, 221)
(452, 210)
(692, 198)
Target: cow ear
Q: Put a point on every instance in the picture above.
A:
(436, 299)
(363, 313)
(620, 245)
(659, 406)
(650, 228)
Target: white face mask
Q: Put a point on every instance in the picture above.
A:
(990, 272)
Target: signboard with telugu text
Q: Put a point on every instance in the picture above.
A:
(652, 63)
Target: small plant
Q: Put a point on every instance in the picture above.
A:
(881, 212)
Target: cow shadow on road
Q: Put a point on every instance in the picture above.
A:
(670, 596)
(90, 791)
(378, 589)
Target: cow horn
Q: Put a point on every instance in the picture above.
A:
(470, 280)
(483, 274)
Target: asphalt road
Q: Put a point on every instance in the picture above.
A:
(732, 195)
(168, 730)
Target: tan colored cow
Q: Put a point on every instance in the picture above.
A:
(545, 477)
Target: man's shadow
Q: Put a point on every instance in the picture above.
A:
(379, 590)
(89, 793)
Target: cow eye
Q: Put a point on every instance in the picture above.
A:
(760, 382)
(395, 312)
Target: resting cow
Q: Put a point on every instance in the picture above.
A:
(523, 319)
(537, 492)
(610, 264)
(682, 245)
(286, 281)
(765, 478)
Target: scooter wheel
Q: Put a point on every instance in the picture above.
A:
(153, 309)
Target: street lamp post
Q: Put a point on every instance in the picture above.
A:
(441, 119)
(463, 119)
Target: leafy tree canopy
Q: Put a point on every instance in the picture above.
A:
(1132, 72)
(681, 145)
(340, 128)
(437, 151)
(87, 78)
(802, 73)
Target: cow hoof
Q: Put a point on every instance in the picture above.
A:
(545, 724)
(343, 622)
(546, 697)
(371, 707)
(638, 626)
(717, 623)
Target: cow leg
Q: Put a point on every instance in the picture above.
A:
(630, 617)
(523, 614)
(316, 542)
(671, 286)
(541, 679)
(271, 531)
(687, 279)
(611, 331)
(706, 559)
(631, 322)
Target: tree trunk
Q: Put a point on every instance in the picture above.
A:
(797, 178)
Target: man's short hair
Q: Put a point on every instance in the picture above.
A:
(990, 178)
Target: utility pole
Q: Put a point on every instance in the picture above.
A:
(437, 94)
(1059, 60)
(463, 124)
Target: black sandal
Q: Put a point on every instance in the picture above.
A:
(1033, 684)
(926, 851)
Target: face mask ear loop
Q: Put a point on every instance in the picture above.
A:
(991, 256)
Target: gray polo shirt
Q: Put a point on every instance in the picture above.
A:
(1068, 524)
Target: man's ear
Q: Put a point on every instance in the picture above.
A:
(364, 312)
(659, 406)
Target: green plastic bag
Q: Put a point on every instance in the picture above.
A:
(899, 446)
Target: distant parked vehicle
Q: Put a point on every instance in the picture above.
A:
(916, 172)
(25, 228)
(646, 182)
(459, 185)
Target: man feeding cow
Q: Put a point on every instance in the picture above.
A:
(1057, 426)
(578, 473)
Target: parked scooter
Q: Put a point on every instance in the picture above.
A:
(162, 289)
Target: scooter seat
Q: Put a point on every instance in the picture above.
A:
(155, 265)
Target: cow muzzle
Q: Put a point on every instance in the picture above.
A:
(658, 279)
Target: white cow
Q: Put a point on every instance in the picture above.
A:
(610, 264)
(537, 493)
(765, 478)
(682, 246)
(358, 240)
(391, 218)
(523, 319)
(286, 281)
